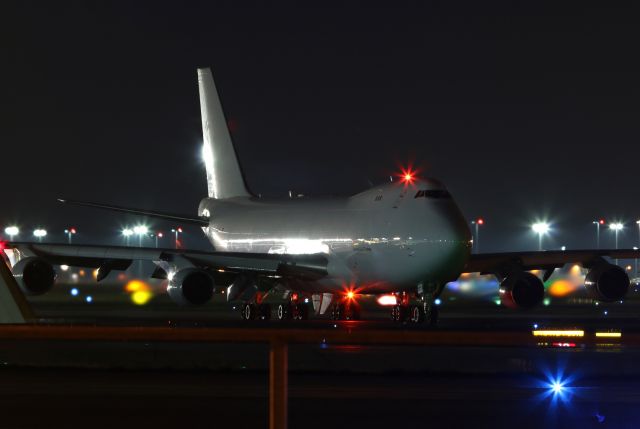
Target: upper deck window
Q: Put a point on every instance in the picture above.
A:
(433, 193)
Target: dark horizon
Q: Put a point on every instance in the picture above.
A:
(523, 113)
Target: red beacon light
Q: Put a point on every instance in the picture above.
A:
(601, 221)
(480, 221)
(408, 176)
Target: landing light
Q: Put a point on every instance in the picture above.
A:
(387, 300)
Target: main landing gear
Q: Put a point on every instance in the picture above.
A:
(296, 308)
(415, 312)
(256, 309)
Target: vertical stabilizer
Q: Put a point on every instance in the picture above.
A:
(224, 177)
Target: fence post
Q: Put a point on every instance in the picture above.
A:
(278, 383)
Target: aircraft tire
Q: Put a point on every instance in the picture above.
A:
(248, 312)
(399, 313)
(416, 314)
(337, 312)
(265, 311)
(283, 312)
(301, 312)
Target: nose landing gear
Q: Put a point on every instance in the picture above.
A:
(345, 311)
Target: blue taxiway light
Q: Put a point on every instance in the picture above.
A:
(74, 292)
(89, 298)
(557, 387)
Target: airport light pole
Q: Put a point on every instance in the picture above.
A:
(12, 231)
(540, 228)
(616, 227)
(476, 242)
(598, 223)
(158, 234)
(140, 230)
(636, 260)
(176, 231)
(127, 232)
(39, 233)
(70, 232)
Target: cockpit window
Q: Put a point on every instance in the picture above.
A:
(433, 193)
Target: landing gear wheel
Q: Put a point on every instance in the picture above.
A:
(283, 312)
(399, 313)
(248, 312)
(337, 312)
(352, 313)
(300, 312)
(343, 311)
(264, 311)
(416, 314)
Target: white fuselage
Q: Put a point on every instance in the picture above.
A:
(388, 238)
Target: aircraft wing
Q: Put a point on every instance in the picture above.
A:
(107, 258)
(496, 263)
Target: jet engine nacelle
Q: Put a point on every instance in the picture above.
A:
(521, 289)
(607, 282)
(34, 275)
(191, 286)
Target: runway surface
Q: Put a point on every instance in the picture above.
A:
(160, 399)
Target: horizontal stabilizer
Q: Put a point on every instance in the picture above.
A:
(199, 221)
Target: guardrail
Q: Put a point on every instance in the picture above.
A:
(280, 338)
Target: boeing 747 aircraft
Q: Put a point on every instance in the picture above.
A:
(294, 257)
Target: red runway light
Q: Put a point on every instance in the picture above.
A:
(601, 221)
(480, 221)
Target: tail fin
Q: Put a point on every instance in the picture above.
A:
(224, 176)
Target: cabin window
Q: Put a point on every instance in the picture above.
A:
(433, 193)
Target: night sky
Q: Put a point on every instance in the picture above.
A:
(523, 113)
